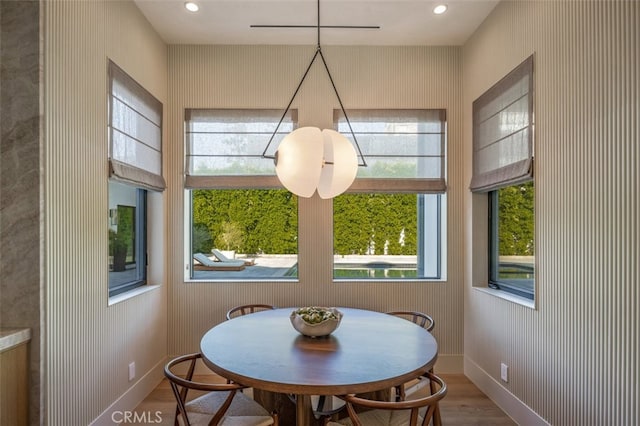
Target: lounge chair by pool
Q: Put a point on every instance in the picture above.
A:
(206, 264)
(222, 258)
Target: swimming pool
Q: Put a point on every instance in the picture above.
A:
(374, 271)
(368, 270)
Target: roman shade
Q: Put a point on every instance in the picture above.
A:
(135, 132)
(224, 147)
(503, 131)
(404, 149)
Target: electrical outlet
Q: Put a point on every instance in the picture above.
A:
(132, 371)
(504, 372)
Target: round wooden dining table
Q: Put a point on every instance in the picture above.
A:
(369, 351)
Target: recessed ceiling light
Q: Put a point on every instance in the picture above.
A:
(440, 9)
(191, 6)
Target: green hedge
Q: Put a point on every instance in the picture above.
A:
(266, 221)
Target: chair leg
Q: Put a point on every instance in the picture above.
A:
(437, 419)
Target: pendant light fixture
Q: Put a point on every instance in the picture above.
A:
(309, 159)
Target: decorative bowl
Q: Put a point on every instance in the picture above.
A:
(314, 321)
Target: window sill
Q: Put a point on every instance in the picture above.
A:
(241, 280)
(132, 293)
(389, 280)
(527, 303)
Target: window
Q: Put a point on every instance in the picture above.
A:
(244, 226)
(511, 244)
(135, 166)
(503, 168)
(389, 224)
(127, 237)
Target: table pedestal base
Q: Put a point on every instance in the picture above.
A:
(286, 409)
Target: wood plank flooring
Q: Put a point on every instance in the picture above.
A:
(464, 404)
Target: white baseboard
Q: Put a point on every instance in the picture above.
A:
(449, 364)
(509, 403)
(132, 397)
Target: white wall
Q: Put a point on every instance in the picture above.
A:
(573, 360)
(89, 344)
(265, 77)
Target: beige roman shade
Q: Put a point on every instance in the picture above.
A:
(404, 149)
(503, 131)
(135, 132)
(224, 147)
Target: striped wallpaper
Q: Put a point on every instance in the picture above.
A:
(265, 77)
(88, 344)
(574, 359)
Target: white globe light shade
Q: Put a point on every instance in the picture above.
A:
(299, 160)
(341, 165)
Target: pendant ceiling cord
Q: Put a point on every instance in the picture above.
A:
(335, 90)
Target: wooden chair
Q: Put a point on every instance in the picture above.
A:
(410, 412)
(247, 309)
(222, 404)
(425, 321)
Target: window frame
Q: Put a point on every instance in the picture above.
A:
(140, 223)
(139, 124)
(509, 103)
(439, 246)
(198, 181)
(420, 186)
(494, 252)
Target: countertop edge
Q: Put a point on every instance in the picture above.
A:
(12, 337)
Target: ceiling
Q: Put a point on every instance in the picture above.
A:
(401, 22)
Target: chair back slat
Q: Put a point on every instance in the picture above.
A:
(423, 320)
(247, 309)
(217, 418)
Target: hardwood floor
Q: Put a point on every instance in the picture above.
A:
(464, 404)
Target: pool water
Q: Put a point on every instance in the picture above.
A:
(374, 273)
(367, 272)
